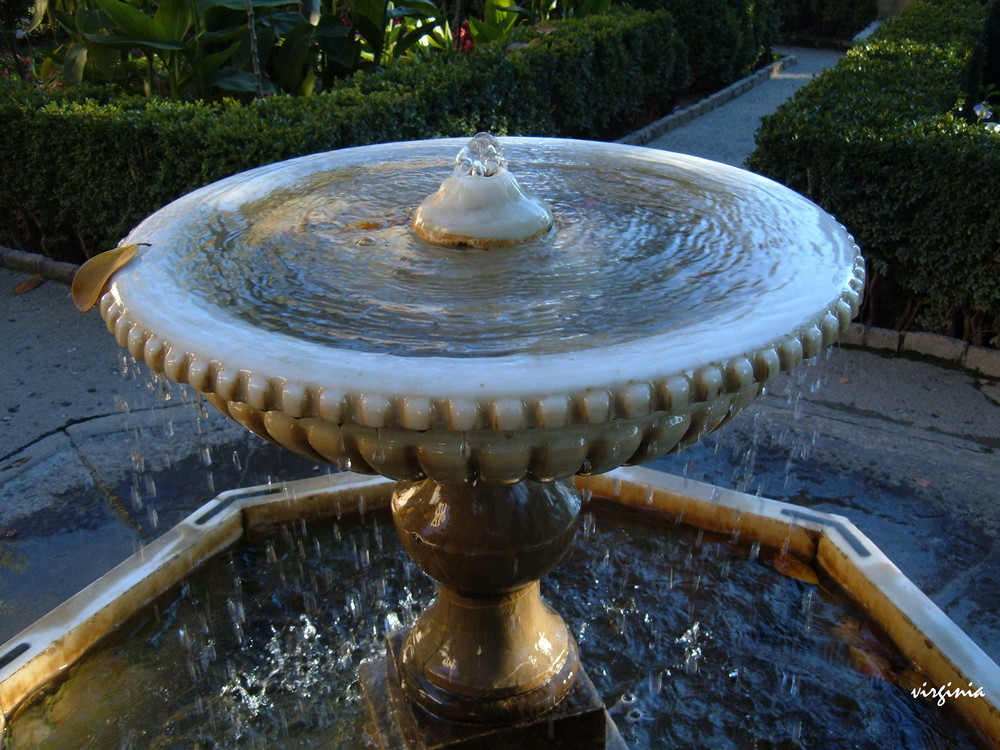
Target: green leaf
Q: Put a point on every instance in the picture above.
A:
(74, 63)
(208, 63)
(92, 21)
(238, 81)
(174, 17)
(292, 56)
(418, 10)
(242, 5)
(413, 36)
(134, 23)
(125, 42)
(342, 50)
(41, 6)
(283, 21)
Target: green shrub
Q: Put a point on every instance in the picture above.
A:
(725, 39)
(825, 19)
(878, 142)
(82, 168)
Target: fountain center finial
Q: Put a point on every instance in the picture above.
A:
(481, 204)
(480, 157)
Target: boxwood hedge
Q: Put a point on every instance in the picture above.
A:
(81, 167)
(879, 141)
(825, 20)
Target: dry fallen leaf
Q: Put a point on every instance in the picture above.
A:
(871, 664)
(92, 276)
(27, 286)
(791, 566)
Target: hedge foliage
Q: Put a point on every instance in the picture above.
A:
(836, 20)
(725, 39)
(879, 142)
(81, 168)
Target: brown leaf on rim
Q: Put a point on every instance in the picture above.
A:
(28, 285)
(791, 566)
(871, 664)
(93, 276)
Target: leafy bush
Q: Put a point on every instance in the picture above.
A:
(879, 142)
(81, 167)
(725, 39)
(825, 19)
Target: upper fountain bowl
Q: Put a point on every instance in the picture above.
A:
(668, 292)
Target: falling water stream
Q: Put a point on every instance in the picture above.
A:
(693, 640)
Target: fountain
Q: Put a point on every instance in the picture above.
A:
(480, 350)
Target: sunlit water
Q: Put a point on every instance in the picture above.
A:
(691, 639)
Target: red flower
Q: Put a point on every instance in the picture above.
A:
(465, 42)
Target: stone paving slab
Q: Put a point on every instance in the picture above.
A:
(58, 532)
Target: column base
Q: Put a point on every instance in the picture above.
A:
(578, 721)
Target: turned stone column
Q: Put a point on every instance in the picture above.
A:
(488, 649)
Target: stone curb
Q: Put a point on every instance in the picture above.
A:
(19, 260)
(980, 360)
(683, 116)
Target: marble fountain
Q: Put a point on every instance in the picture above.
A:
(475, 337)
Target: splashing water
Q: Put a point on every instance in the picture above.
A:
(690, 644)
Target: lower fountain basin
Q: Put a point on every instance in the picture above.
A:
(828, 543)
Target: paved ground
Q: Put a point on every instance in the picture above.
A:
(726, 134)
(95, 460)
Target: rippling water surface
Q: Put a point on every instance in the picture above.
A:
(639, 248)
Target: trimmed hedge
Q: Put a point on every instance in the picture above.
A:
(725, 39)
(81, 169)
(879, 142)
(834, 20)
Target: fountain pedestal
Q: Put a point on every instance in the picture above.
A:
(488, 658)
(653, 301)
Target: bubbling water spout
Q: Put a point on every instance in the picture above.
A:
(480, 157)
(481, 204)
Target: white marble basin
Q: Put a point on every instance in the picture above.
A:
(669, 291)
